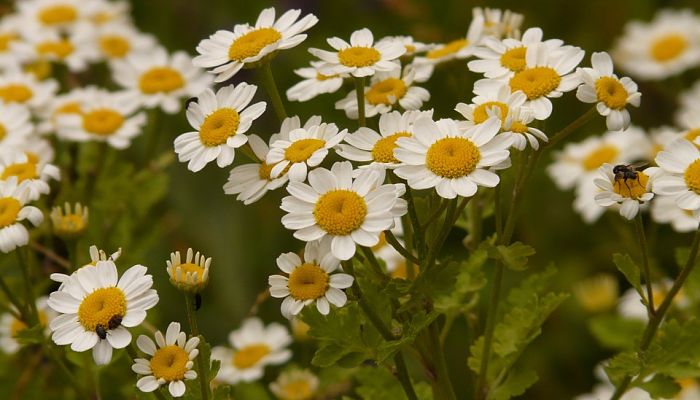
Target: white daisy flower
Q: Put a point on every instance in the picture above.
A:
(501, 59)
(117, 41)
(458, 49)
(412, 46)
(109, 117)
(11, 326)
(664, 47)
(191, 275)
(229, 51)
(23, 88)
(387, 90)
(15, 125)
(681, 178)
(255, 346)
(517, 126)
(439, 155)
(13, 210)
(368, 145)
(97, 306)
(252, 180)
(663, 136)
(295, 384)
(664, 210)
(499, 23)
(500, 99)
(159, 79)
(690, 126)
(304, 148)
(612, 94)
(310, 280)
(104, 12)
(221, 120)
(170, 362)
(628, 193)
(69, 103)
(689, 104)
(547, 73)
(13, 50)
(313, 84)
(345, 211)
(52, 14)
(96, 255)
(75, 50)
(359, 58)
(584, 200)
(34, 174)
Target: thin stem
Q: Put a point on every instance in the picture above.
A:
(155, 120)
(453, 212)
(30, 303)
(481, 389)
(51, 255)
(192, 319)
(442, 380)
(436, 214)
(408, 235)
(475, 219)
(567, 130)
(374, 264)
(13, 299)
(418, 233)
(268, 81)
(403, 376)
(656, 319)
(497, 210)
(394, 242)
(639, 227)
(360, 93)
(50, 351)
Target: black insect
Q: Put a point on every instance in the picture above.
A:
(114, 322)
(627, 172)
(101, 332)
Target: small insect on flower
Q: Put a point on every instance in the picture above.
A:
(624, 185)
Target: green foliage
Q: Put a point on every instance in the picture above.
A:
(377, 383)
(661, 386)
(33, 335)
(211, 367)
(250, 390)
(514, 256)
(630, 270)
(616, 333)
(517, 382)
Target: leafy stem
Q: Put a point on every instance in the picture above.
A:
(201, 371)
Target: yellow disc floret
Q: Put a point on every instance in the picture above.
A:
(161, 80)
(9, 209)
(303, 149)
(58, 14)
(100, 306)
(250, 355)
(340, 212)
(383, 150)
(250, 44)
(102, 121)
(692, 176)
(447, 49)
(59, 48)
(631, 188)
(170, 363)
(480, 112)
(114, 46)
(23, 171)
(611, 92)
(668, 47)
(514, 59)
(5, 40)
(308, 282)
(452, 157)
(535, 82)
(601, 155)
(359, 56)
(15, 93)
(297, 390)
(219, 126)
(381, 92)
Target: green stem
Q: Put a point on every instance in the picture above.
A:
(394, 242)
(475, 219)
(30, 302)
(453, 212)
(656, 319)
(153, 134)
(268, 81)
(360, 93)
(408, 237)
(646, 271)
(418, 233)
(497, 210)
(13, 299)
(374, 264)
(50, 351)
(94, 174)
(481, 389)
(567, 130)
(435, 215)
(403, 376)
(442, 386)
(192, 319)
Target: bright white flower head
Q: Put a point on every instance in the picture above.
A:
(439, 155)
(255, 346)
(251, 181)
(314, 83)
(97, 306)
(304, 148)
(664, 47)
(29, 171)
(13, 50)
(361, 57)
(117, 41)
(681, 179)
(345, 211)
(191, 275)
(10, 326)
(499, 23)
(295, 384)
(387, 90)
(53, 14)
(69, 103)
(517, 126)
(159, 79)
(170, 362)
(500, 100)
(458, 49)
(627, 192)
(229, 51)
(310, 280)
(367, 145)
(15, 125)
(664, 210)
(411, 45)
(13, 200)
(110, 117)
(612, 94)
(221, 120)
(661, 137)
(23, 88)
(103, 12)
(95, 256)
(75, 50)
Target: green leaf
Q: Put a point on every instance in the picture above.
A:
(517, 382)
(615, 332)
(33, 335)
(622, 365)
(661, 386)
(630, 270)
(222, 392)
(514, 256)
(460, 280)
(377, 383)
(674, 350)
(250, 390)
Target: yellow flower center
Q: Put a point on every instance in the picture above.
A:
(250, 44)
(480, 113)
(102, 121)
(100, 306)
(219, 126)
(447, 49)
(18, 325)
(308, 282)
(170, 363)
(668, 47)
(380, 92)
(611, 92)
(410, 49)
(452, 157)
(194, 269)
(265, 170)
(690, 136)
(15, 93)
(303, 149)
(692, 176)
(296, 390)
(114, 46)
(9, 209)
(340, 212)
(69, 224)
(41, 69)
(514, 59)
(59, 48)
(383, 150)
(71, 107)
(321, 77)
(535, 82)
(3, 131)
(631, 188)
(518, 127)
(58, 14)
(359, 56)
(5, 40)
(161, 79)
(601, 155)
(250, 355)
(23, 171)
